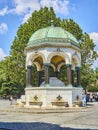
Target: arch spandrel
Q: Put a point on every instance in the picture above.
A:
(62, 54)
(28, 62)
(73, 67)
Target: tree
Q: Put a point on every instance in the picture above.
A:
(96, 76)
(72, 27)
(89, 55)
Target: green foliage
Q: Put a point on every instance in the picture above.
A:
(72, 27)
(63, 74)
(92, 89)
(86, 76)
(96, 73)
(88, 54)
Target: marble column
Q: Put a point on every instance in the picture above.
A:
(29, 76)
(78, 76)
(69, 74)
(72, 77)
(46, 69)
(39, 77)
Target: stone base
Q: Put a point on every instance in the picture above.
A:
(50, 97)
(59, 104)
(78, 103)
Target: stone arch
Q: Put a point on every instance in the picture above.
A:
(53, 67)
(39, 68)
(33, 56)
(62, 54)
(76, 60)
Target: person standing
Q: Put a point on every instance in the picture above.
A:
(91, 97)
(11, 100)
(84, 99)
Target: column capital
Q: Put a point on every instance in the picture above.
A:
(68, 65)
(29, 66)
(48, 64)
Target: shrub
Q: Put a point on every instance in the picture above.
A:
(92, 89)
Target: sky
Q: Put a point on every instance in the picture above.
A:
(13, 13)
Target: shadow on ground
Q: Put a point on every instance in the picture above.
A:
(33, 126)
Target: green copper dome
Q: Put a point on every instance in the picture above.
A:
(52, 36)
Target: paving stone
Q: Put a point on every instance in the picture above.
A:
(85, 119)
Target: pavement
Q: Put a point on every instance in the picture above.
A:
(33, 119)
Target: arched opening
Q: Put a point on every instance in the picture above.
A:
(61, 55)
(57, 61)
(76, 70)
(63, 74)
(39, 74)
(34, 76)
(51, 71)
(34, 70)
(38, 62)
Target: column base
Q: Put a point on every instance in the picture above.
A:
(47, 85)
(69, 86)
(80, 86)
(29, 86)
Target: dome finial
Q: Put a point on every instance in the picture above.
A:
(52, 23)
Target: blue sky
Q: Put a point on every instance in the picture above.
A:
(15, 12)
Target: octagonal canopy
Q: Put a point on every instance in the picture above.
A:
(50, 35)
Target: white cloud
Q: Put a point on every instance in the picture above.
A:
(27, 7)
(4, 11)
(2, 54)
(94, 36)
(3, 28)
(25, 18)
(60, 6)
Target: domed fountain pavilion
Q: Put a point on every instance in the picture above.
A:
(55, 47)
